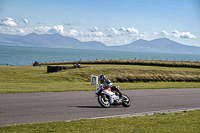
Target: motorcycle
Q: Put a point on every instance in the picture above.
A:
(106, 97)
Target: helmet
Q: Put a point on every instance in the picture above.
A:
(101, 78)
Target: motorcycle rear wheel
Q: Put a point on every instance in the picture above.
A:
(126, 102)
(104, 101)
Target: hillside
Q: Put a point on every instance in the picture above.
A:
(48, 40)
(161, 45)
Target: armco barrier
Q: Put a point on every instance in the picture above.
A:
(51, 69)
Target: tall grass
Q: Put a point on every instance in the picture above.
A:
(135, 62)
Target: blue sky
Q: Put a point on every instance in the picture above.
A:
(113, 22)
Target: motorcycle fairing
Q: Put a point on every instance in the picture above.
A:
(108, 92)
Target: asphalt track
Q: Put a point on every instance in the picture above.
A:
(64, 106)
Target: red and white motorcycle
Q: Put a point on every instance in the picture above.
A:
(106, 97)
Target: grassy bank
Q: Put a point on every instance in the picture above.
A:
(17, 79)
(190, 64)
(143, 70)
(179, 122)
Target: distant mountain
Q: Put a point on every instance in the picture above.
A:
(161, 45)
(48, 40)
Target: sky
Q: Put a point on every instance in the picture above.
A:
(112, 22)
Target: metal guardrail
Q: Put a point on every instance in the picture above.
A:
(51, 69)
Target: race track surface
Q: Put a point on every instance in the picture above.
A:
(63, 106)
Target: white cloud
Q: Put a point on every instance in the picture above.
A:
(6, 30)
(15, 30)
(94, 29)
(112, 36)
(187, 35)
(155, 33)
(41, 29)
(132, 30)
(144, 34)
(93, 33)
(113, 32)
(177, 34)
(122, 29)
(163, 33)
(99, 39)
(25, 21)
(53, 29)
(7, 22)
(21, 31)
(57, 29)
(73, 32)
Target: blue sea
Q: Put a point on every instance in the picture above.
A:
(18, 55)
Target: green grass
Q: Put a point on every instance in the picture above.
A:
(138, 73)
(177, 122)
(20, 79)
(190, 64)
(85, 86)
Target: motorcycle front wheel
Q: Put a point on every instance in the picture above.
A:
(126, 102)
(104, 101)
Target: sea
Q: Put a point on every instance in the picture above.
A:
(20, 55)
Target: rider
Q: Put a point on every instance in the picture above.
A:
(107, 83)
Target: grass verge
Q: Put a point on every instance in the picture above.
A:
(85, 86)
(20, 79)
(179, 122)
